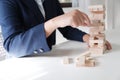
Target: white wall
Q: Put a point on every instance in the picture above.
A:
(95, 2)
(116, 13)
(110, 14)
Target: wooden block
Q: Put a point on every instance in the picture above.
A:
(97, 37)
(79, 64)
(96, 30)
(100, 37)
(95, 21)
(89, 62)
(66, 60)
(101, 28)
(87, 53)
(81, 60)
(96, 51)
(101, 45)
(96, 8)
(96, 41)
(97, 45)
(93, 33)
(100, 17)
(97, 24)
(95, 16)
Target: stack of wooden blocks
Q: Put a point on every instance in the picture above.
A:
(96, 40)
(97, 37)
(97, 28)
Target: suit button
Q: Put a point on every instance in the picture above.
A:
(35, 52)
(41, 50)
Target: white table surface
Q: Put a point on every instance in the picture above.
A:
(49, 66)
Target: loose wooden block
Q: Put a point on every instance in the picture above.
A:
(89, 62)
(66, 60)
(87, 53)
(79, 64)
(81, 60)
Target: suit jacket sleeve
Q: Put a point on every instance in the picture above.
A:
(17, 41)
(69, 32)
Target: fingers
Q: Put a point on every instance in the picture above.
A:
(86, 19)
(108, 45)
(78, 18)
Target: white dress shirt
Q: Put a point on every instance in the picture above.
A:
(40, 5)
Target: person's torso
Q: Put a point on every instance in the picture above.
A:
(32, 16)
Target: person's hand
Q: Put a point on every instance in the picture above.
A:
(108, 45)
(86, 39)
(74, 18)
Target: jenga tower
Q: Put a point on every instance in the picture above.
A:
(97, 28)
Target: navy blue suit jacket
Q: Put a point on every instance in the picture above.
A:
(23, 26)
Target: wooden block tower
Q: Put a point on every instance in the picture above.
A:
(97, 38)
(97, 28)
